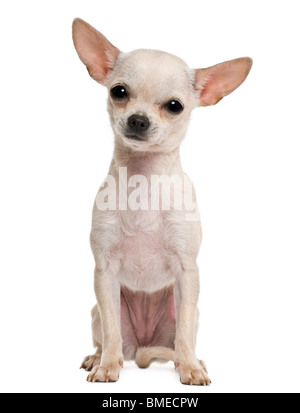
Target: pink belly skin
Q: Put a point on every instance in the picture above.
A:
(147, 319)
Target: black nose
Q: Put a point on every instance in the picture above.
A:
(138, 124)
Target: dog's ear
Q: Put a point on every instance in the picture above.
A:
(215, 82)
(94, 50)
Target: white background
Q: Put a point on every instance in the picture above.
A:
(242, 155)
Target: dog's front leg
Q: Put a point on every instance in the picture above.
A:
(107, 290)
(191, 371)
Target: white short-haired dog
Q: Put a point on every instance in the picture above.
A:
(146, 275)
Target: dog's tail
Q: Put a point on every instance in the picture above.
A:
(146, 355)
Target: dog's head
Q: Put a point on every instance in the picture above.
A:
(152, 93)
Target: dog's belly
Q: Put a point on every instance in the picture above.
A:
(147, 319)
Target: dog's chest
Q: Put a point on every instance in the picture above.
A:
(145, 260)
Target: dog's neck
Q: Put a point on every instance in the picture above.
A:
(147, 163)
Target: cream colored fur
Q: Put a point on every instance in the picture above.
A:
(148, 250)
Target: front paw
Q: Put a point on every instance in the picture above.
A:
(109, 373)
(193, 374)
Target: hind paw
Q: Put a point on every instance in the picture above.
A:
(91, 361)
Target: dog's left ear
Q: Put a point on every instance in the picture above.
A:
(94, 50)
(215, 82)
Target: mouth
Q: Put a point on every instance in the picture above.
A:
(136, 137)
(139, 143)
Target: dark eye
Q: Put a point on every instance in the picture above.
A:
(118, 92)
(174, 106)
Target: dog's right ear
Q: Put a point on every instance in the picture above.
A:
(94, 50)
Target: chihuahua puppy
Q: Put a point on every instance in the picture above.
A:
(146, 276)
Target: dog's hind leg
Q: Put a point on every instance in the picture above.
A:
(93, 360)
